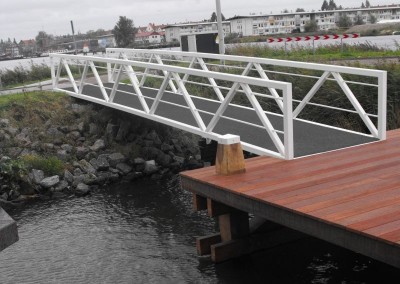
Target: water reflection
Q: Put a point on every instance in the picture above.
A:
(145, 233)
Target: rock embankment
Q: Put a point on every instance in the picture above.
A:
(95, 147)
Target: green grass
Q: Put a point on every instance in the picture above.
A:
(322, 54)
(36, 108)
(49, 165)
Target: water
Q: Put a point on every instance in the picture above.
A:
(386, 42)
(145, 233)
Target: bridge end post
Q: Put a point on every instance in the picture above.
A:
(229, 159)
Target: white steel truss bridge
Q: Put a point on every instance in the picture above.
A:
(279, 108)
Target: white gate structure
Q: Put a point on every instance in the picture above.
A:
(187, 76)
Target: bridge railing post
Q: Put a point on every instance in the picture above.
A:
(288, 122)
(230, 158)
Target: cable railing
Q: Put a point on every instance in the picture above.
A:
(236, 103)
(356, 91)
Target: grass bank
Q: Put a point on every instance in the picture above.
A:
(322, 54)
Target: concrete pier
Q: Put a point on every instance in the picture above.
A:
(8, 230)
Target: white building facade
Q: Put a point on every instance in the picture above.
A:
(325, 20)
(174, 32)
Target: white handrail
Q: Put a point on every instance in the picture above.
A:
(261, 66)
(174, 74)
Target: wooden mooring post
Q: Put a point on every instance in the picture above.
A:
(237, 235)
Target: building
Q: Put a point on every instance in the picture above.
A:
(27, 47)
(173, 32)
(151, 34)
(105, 41)
(296, 21)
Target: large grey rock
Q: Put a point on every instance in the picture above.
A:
(164, 160)
(37, 176)
(85, 178)
(62, 155)
(54, 132)
(98, 145)
(4, 196)
(11, 130)
(139, 161)
(124, 168)
(77, 108)
(102, 163)
(150, 167)
(106, 177)
(82, 189)
(81, 152)
(4, 122)
(61, 186)
(68, 176)
(68, 148)
(94, 129)
(111, 131)
(115, 159)
(123, 130)
(153, 136)
(87, 167)
(49, 181)
(8, 230)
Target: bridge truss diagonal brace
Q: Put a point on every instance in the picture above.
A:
(211, 80)
(116, 84)
(99, 82)
(135, 83)
(273, 91)
(71, 78)
(160, 93)
(227, 100)
(58, 73)
(171, 84)
(83, 78)
(356, 104)
(189, 102)
(146, 72)
(311, 93)
(264, 119)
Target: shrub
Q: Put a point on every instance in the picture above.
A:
(49, 165)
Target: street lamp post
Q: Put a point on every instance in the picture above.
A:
(220, 29)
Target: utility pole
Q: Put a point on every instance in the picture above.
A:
(220, 29)
(73, 36)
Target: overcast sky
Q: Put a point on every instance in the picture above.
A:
(22, 19)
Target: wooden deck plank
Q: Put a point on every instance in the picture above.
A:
(263, 191)
(326, 188)
(353, 193)
(360, 205)
(378, 220)
(365, 217)
(294, 172)
(363, 188)
(384, 229)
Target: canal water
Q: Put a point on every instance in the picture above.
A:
(390, 42)
(144, 232)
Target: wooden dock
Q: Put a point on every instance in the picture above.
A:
(348, 197)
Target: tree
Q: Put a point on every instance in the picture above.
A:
(300, 10)
(372, 18)
(332, 5)
(324, 6)
(358, 20)
(285, 11)
(362, 5)
(344, 22)
(311, 26)
(124, 32)
(367, 5)
(42, 40)
(214, 17)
